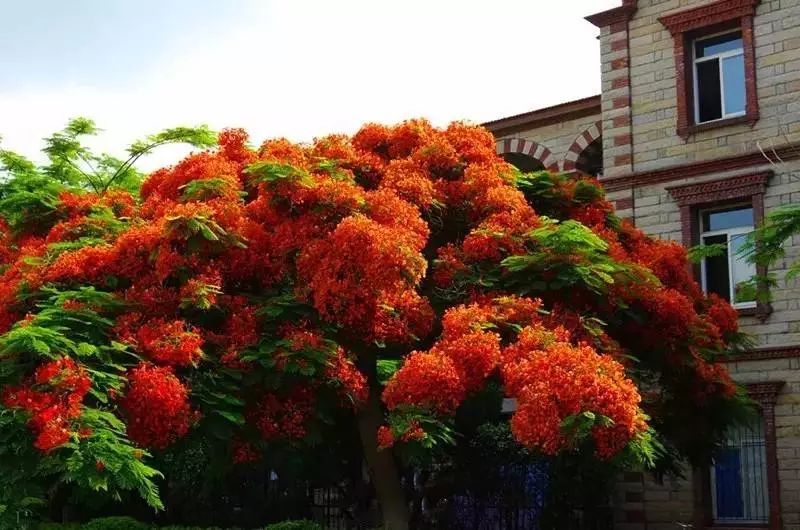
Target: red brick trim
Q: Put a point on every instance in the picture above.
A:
(621, 102)
(687, 25)
(619, 64)
(719, 190)
(547, 116)
(621, 121)
(765, 354)
(693, 169)
(766, 394)
(620, 82)
(619, 44)
(708, 15)
(624, 203)
(622, 139)
(623, 160)
(531, 148)
(580, 143)
(622, 13)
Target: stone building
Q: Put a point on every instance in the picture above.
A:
(695, 136)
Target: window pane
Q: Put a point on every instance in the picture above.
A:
(733, 80)
(716, 269)
(739, 476)
(728, 479)
(743, 272)
(709, 98)
(720, 44)
(724, 219)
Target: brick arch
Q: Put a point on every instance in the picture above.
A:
(588, 136)
(531, 148)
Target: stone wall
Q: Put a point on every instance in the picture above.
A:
(653, 94)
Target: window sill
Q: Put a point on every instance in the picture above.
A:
(760, 311)
(748, 119)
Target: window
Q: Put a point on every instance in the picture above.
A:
(715, 65)
(719, 82)
(739, 485)
(729, 275)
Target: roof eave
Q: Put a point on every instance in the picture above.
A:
(546, 116)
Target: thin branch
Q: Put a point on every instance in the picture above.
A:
(88, 162)
(82, 172)
(129, 163)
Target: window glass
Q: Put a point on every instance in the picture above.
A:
(717, 45)
(709, 94)
(733, 79)
(717, 278)
(743, 272)
(729, 275)
(739, 476)
(714, 220)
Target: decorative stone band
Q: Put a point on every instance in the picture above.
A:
(744, 186)
(581, 142)
(708, 15)
(765, 393)
(533, 149)
(764, 354)
(790, 151)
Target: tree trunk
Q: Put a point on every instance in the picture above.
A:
(382, 467)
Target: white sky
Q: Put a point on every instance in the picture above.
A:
(294, 68)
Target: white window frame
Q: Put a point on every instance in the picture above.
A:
(739, 230)
(720, 57)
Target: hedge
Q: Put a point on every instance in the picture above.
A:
(127, 523)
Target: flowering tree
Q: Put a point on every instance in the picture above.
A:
(249, 295)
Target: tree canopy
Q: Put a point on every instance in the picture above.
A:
(253, 297)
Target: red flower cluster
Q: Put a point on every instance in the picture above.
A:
(555, 380)
(349, 381)
(156, 406)
(426, 380)
(385, 437)
(243, 452)
(170, 342)
(277, 417)
(52, 408)
(722, 315)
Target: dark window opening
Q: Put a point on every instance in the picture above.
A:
(524, 163)
(590, 160)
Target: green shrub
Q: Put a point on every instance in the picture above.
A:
(115, 523)
(294, 525)
(179, 527)
(59, 526)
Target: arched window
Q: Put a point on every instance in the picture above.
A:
(590, 160)
(527, 155)
(586, 152)
(524, 163)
